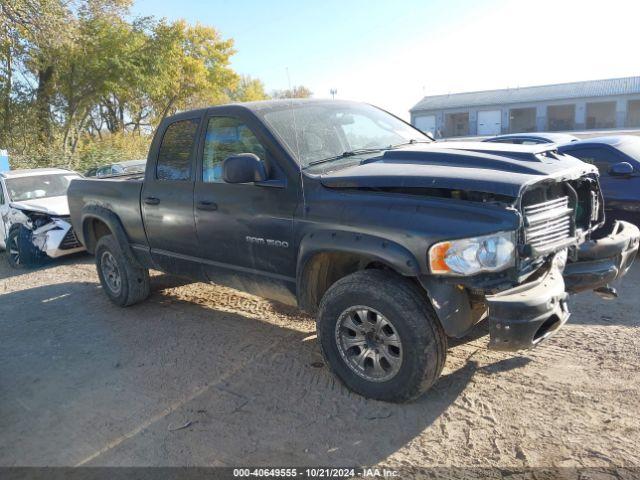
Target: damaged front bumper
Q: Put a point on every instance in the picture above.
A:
(602, 261)
(527, 314)
(52, 239)
(56, 239)
(523, 316)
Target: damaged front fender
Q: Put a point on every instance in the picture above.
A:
(16, 216)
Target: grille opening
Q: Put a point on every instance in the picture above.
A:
(70, 241)
(550, 324)
(549, 217)
(548, 222)
(555, 212)
(543, 193)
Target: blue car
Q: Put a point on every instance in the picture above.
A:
(618, 160)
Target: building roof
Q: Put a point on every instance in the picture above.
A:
(541, 93)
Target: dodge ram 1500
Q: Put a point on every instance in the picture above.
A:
(394, 241)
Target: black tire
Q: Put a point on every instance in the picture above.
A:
(13, 248)
(423, 341)
(123, 279)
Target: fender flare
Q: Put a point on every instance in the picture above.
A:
(111, 220)
(451, 304)
(378, 249)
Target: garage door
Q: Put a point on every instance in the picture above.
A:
(489, 122)
(426, 123)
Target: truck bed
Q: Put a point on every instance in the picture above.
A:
(120, 195)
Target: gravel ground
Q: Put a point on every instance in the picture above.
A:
(203, 375)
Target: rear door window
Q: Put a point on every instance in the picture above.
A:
(175, 157)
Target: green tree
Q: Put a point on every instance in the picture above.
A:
(25, 24)
(189, 67)
(248, 90)
(299, 91)
(82, 83)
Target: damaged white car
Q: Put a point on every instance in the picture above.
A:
(34, 215)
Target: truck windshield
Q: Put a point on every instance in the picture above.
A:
(315, 132)
(38, 186)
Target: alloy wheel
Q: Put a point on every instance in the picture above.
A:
(369, 343)
(111, 272)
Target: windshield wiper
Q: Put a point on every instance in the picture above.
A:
(349, 153)
(410, 142)
(360, 151)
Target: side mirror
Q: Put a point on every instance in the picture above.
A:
(621, 169)
(243, 168)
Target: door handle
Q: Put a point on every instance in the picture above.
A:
(152, 200)
(206, 205)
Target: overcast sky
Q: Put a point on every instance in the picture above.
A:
(392, 53)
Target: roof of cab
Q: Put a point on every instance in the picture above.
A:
(262, 106)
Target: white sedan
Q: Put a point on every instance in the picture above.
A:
(35, 215)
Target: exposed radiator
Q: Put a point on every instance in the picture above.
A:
(548, 223)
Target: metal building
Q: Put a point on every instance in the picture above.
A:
(595, 104)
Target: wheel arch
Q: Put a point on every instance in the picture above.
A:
(99, 221)
(326, 257)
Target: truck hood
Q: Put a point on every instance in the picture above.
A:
(470, 166)
(56, 206)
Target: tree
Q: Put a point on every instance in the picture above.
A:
(81, 81)
(190, 67)
(295, 92)
(23, 25)
(248, 90)
(46, 32)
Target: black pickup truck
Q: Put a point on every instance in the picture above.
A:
(394, 241)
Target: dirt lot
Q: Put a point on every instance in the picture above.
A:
(85, 383)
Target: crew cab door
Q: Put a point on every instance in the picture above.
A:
(245, 230)
(167, 197)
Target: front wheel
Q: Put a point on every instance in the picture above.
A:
(124, 281)
(14, 256)
(380, 336)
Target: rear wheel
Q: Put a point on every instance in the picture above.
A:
(380, 336)
(124, 281)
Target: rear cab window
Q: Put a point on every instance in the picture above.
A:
(175, 156)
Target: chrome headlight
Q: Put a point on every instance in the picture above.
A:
(468, 256)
